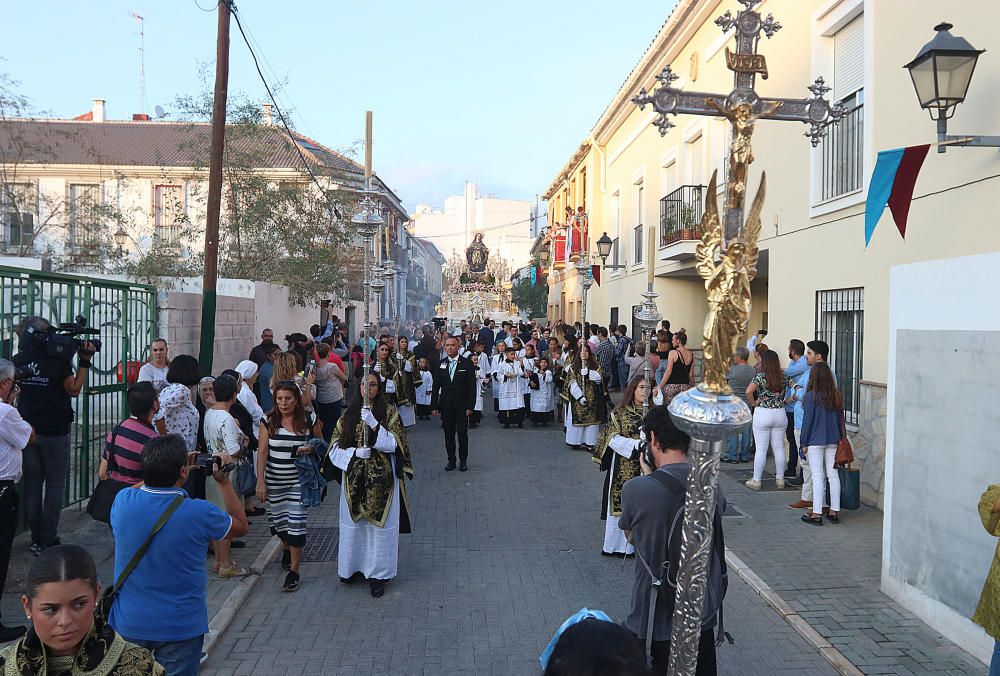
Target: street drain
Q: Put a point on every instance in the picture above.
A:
(321, 545)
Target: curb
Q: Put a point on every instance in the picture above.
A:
(224, 616)
(836, 658)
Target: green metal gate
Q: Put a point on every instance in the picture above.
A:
(125, 314)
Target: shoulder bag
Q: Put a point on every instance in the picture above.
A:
(103, 607)
(106, 490)
(845, 453)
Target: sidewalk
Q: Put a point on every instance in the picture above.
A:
(76, 527)
(831, 577)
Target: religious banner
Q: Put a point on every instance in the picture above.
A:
(892, 183)
(559, 250)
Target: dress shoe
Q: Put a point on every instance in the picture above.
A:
(8, 634)
(377, 588)
(463, 467)
(801, 504)
(450, 466)
(358, 575)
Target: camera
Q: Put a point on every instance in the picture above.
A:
(644, 449)
(62, 340)
(440, 322)
(209, 462)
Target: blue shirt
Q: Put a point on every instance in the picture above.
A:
(794, 371)
(821, 426)
(801, 380)
(266, 398)
(164, 597)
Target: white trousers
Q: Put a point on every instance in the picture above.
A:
(769, 426)
(807, 484)
(821, 463)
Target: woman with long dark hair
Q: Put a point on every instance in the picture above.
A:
(385, 368)
(822, 429)
(408, 379)
(618, 453)
(582, 386)
(678, 372)
(283, 437)
(66, 636)
(373, 509)
(766, 394)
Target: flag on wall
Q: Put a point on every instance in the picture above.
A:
(534, 275)
(595, 272)
(892, 184)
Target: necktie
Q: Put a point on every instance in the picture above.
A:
(451, 369)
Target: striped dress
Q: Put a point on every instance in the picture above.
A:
(285, 512)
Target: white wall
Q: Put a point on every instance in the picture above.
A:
(273, 310)
(941, 451)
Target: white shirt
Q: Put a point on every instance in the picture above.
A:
(222, 433)
(153, 374)
(752, 343)
(14, 435)
(249, 401)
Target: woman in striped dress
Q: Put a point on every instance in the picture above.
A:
(284, 436)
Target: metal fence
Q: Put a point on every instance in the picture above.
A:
(842, 156)
(125, 315)
(680, 214)
(840, 322)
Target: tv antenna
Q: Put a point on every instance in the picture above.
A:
(142, 62)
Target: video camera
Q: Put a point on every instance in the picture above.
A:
(209, 462)
(62, 340)
(440, 322)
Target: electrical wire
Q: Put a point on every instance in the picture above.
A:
(860, 213)
(492, 227)
(196, 4)
(277, 108)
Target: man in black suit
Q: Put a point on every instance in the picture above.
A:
(453, 399)
(487, 337)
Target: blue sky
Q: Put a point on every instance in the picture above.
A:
(502, 93)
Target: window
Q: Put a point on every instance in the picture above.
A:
(721, 131)
(169, 213)
(18, 207)
(582, 189)
(694, 152)
(637, 228)
(842, 150)
(615, 209)
(84, 214)
(840, 322)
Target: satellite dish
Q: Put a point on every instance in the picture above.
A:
(160, 113)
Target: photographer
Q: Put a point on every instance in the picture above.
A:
(45, 404)
(162, 606)
(650, 504)
(15, 434)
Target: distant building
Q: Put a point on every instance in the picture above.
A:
(506, 225)
(425, 281)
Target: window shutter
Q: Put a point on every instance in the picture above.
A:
(849, 59)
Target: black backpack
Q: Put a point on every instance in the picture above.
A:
(713, 599)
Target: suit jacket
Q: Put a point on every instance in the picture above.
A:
(458, 394)
(487, 338)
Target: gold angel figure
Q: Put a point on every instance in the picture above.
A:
(727, 284)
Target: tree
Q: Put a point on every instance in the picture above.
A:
(532, 298)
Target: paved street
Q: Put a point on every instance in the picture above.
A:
(500, 556)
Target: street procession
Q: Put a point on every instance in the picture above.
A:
(532, 361)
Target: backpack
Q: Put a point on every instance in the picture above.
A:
(713, 597)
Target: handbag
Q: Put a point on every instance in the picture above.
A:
(850, 487)
(106, 490)
(107, 600)
(245, 478)
(845, 452)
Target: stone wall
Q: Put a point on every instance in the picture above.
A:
(179, 318)
(869, 442)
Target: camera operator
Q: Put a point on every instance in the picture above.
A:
(162, 606)
(45, 403)
(15, 433)
(649, 504)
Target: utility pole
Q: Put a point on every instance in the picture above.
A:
(210, 279)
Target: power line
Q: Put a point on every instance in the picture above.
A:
(492, 227)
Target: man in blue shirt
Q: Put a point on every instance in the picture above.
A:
(162, 606)
(796, 367)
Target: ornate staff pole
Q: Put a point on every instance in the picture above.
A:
(726, 258)
(366, 222)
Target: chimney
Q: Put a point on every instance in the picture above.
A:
(268, 120)
(99, 115)
(140, 117)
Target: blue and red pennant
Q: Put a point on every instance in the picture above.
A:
(892, 184)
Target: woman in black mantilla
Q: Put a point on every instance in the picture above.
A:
(373, 509)
(618, 453)
(385, 368)
(66, 636)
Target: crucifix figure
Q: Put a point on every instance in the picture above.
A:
(726, 258)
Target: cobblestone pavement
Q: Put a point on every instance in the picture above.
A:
(841, 596)
(499, 557)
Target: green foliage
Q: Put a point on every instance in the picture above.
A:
(531, 299)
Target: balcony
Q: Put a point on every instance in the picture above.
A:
(414, 283)
(842, 156)
(680, 214)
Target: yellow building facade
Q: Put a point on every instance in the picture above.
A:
(816, 278)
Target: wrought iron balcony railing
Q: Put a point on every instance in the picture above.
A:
(680, 214)
(842, 156)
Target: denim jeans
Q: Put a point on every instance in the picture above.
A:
(329, 414)
(995, 662)
(179, 658)
(623, 373)
(45, 464)
(738, 445)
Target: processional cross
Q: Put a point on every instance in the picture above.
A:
(726, 258)
(742, 107)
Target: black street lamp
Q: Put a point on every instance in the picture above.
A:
(941, 73)
(604, 245)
